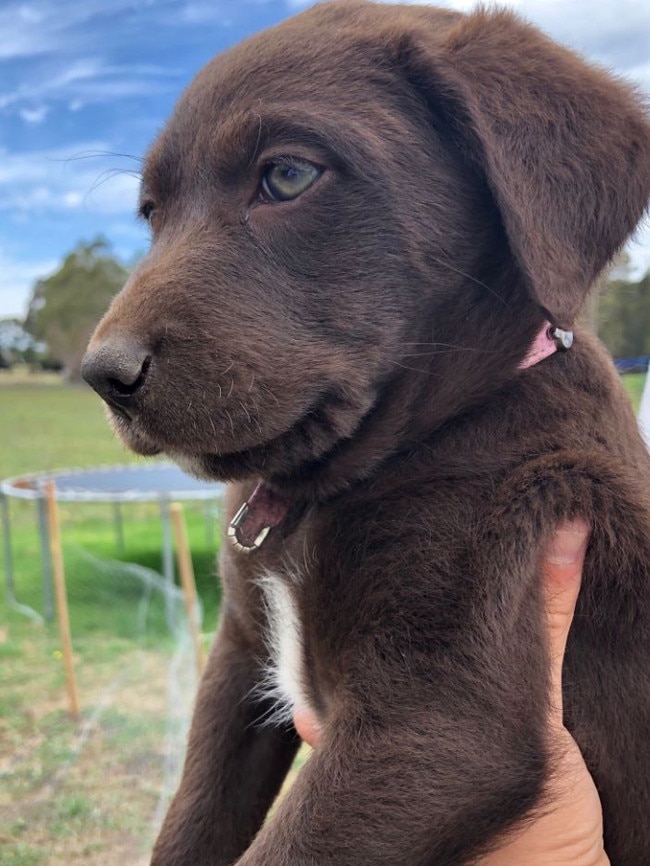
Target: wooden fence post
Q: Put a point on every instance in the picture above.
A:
(61, 597)
(188, 582)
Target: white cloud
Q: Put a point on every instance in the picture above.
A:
(91, 81)
(29, 14)
(46, 27)
(75, 177)
(34, 116)
(73, 199)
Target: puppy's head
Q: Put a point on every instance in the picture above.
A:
(359, 199)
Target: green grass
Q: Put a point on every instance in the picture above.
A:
(53, 427)
(85, 790)
(634, 383)
(21, 854)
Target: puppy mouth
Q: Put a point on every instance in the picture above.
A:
(316, 432)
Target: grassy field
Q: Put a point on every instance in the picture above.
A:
(634, 384)
(92, 790)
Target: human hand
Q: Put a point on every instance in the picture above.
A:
(569, 832)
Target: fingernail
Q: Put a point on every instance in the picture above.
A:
(566, 547)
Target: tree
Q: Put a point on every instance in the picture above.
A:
(16, 344)
(624, 315)
(65, 308)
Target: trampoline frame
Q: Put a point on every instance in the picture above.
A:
(31, 486)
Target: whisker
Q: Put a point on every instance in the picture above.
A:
(94, 154)
(256, 415)
(259, 136)
(108, 175)
(473, 279)
(246, 412)
(449, 347)
(265, 390)
(431, 373)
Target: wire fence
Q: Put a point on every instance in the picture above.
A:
(96, 789)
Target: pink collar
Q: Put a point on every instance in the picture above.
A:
(547, 342)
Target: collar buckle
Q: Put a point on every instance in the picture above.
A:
(562, 339)
(264, 509)
(233, 532)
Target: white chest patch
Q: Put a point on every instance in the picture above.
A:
(284, 681)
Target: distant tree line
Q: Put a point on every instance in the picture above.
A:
(623, 313)
(65, 307)
(63, 311)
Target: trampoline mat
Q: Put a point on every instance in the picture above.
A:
(114, 484)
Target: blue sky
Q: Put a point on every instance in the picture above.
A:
(86, 84)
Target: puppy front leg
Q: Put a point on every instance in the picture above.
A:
(234, 765)
(433, 791)
(438, 746)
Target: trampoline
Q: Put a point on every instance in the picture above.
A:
(158, 482)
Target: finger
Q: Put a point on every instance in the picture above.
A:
(307, 726)
(562, 572)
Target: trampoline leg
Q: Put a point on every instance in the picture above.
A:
(119, 526)
(168, 565)
(210, 520)
(9, 560)
(46, 562)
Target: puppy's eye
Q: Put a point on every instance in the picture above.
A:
(146, 210)
(288, 178)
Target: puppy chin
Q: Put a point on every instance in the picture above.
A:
(213, 467)
(132, 438)
(193, 464)
(138, 446)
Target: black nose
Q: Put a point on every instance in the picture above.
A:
(117, 371)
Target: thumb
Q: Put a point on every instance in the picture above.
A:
(562, 571)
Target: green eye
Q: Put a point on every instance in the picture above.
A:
(285, 180)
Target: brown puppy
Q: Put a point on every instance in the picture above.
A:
(362, 221)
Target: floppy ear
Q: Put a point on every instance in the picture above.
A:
(565, 147)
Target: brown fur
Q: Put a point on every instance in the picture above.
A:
(358, 349)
